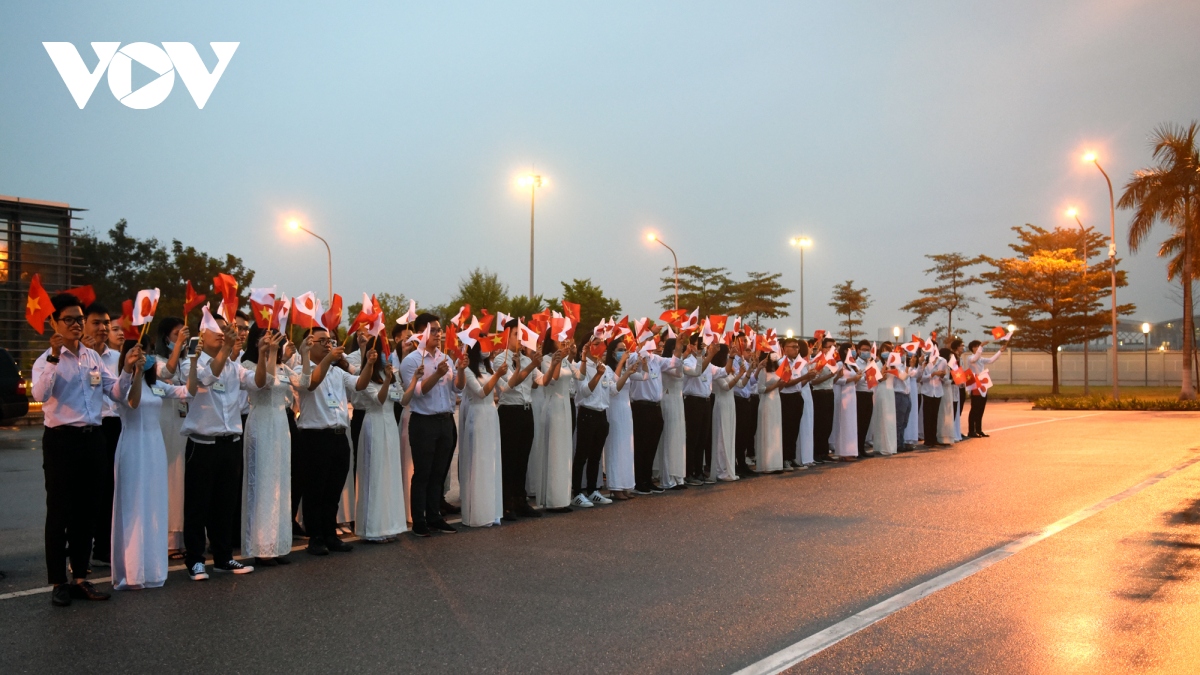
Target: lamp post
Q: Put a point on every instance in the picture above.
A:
(295, 225)
(1011, 353)
(533, 182)
(1074, 213)
(1146, 353)
(675, 258)
(801, 243)
(896, 333)
(1112, 259)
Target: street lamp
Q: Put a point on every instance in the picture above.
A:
(1011, 352)
(896, 332)
(801, 243)
(675, 258)
(1074, 213)
(295, 226)
(1146, 353)
(1112, 258)
(790, 334)
(533, 182)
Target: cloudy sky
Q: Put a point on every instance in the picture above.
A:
(883, 131)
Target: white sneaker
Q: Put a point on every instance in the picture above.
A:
(581, 502)
(197, 572)
(597, 498)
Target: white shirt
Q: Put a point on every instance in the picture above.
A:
(598, 398)
(216, 409)
(899, 382)
(325, 407)
(827, 384)
(862, 364)
(72, 391)
(751, 386)
(111, 359)
(930, 385)
(522, 394)
(443, 397)
(647, 386)
(697, 382)
(794, 386)
(978, 363)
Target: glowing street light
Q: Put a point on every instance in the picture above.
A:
(1146, 353)
(1090, 158)
(895, 332)
(1074, 213)
(654, 237)
(533, 182)
(294, 225)
(789, 334)
(801, 243)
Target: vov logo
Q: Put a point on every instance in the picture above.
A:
(172, 57)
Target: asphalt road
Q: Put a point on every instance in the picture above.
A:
(707, 580)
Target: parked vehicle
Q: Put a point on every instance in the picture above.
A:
(14, 395)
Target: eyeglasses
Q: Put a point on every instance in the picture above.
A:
(323, 342)
(243, 329)
(71, 320)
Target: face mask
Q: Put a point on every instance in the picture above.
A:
(853, 354)
(619, 354)
(150, 359)
(170, 346)
(884, 354)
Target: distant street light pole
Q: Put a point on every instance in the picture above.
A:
(533, 182)
(1112, 259)
(675, 258)
(1146, 353)
(295, 225)
(801, 243)
(1074, 213)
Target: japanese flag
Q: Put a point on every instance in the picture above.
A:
(692, 321)
(409, 316)
(306, 310)
(502, 320)
(279, 319)
(144, 306)
(526, 336)
(471, 335)
(207, 322)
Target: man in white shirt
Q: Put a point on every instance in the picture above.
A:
(822, 394)
(864, 398)
(745, 406)
(645, 401)
(96, 322)
(71, 381)
(212, 480)
(432, 433)
(594, 385)
(516, 422)
(697, 409)
(791, 407)
(932, 372)
(323, 390)
(978, 364)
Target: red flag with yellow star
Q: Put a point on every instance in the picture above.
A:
(37, 305)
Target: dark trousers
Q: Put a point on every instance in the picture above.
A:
(71, 458)
(903, 408)
(929, 416)
(865, 404)
(975, 417)
(102, 526)
(212, 490)
(296, 471)
(325, 455)
(746, 416)
(516, 440)
(356, 422)
(791, 409)
(647, 429)
(236, 523)
(962, 401)
(697, 417)
(822, 422)
(590, 434)
(399, 409)
(433, 438)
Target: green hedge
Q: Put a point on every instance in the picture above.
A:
(1107, 403)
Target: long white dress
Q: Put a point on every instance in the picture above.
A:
(618, 447)
(768, 440)
(672, 444)
(724, 429)
(267, 469)
(171, 416)
(140, 502)
(945, 427)
(481, 483)
(533, 475)
(805, 442)
(884, 417)
(380, 495)
(845, 416)
(912, 433)
(555, 447)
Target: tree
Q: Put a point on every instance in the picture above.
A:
(1046, 293)
(1170, 192)
(950, 273)
(758, 298)
(481, 289)
(593, 305)
(120, 265)
(524, 306)
(708, 288)
(851, 303)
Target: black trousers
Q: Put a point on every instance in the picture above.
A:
(697, 418)
(296, 472)
(962, 401)
(356, 422)
(822, 422)
(590, 434)
(929, 417)
(212, 491)
(516, 440)
(399, 410)
(791, 408)
(864, 404)
(647, 429)
(975, 417)
(433, 438)
(903, 407)
(71, 458)
(102, 527)
(325, 456)
(745, 412)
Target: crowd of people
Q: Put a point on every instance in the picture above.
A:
(178, 447)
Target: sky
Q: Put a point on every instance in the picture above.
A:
(397, 131)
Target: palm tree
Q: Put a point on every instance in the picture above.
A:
(1170, 192)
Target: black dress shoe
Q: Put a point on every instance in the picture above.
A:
(447, 507)
(316, 547)
(84, 590)
(282, 560)
(443, 527)
(61, 595)
(561, 509)
(508, 517)
(265, 562)
(420, 530)
(528, 511)
(983, 435)
(337, 545)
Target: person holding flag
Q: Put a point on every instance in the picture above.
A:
(806, 374)
(791, 407)
(723, 466)
(823, 399)
(746, 402)
(380, 510)
(515, 412)
(864, 361)
(480, 474)
(95, 336)
(645, 401)
(70, 380)
(883, 421)
(932, 373)
(845, 414)
(698, 373)
(595, 385)
(978, 365)
(672, 444)
(555, 448)
(768, 440)
(173, 336)
(618, 446)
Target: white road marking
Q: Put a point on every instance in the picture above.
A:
(813, 644)
(1053, 419)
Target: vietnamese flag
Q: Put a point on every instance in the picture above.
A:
(571, 311)
(673, 317)
(495, 342)
(452, 341)
(126, 321)
(226, 286)
(872, 380)
(332, 318)
(485, 320)
(262, 306)
(191, 299)
(716, 323)
(86, 295)
(37, 306)
(279, 315)
(539, 322)
(784, 371)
